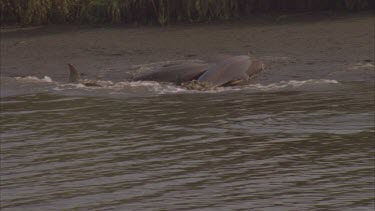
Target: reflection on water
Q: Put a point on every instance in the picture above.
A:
(305, 147)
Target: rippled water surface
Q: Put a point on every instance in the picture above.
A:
(292, 145)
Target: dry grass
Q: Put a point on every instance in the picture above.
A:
(28, 12)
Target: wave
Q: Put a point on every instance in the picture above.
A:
(151, 87)
(291, 84)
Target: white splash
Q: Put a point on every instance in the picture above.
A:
(152, 87)
(35, 79)
(361, 65)
(290, 84)
(168, 88)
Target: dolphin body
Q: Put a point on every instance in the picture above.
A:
(196, 75)
(231, 71)
(176, 73)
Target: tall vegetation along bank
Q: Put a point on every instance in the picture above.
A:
(28, 12)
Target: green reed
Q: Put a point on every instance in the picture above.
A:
(28, 12)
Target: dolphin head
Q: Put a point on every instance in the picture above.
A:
(256, 67)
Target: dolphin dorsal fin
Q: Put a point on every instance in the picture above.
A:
(74, 75)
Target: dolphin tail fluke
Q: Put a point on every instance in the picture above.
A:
(74, 75)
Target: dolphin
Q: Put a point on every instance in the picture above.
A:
(194, 75)
(75, 77)
(231, 71)
(176, 73)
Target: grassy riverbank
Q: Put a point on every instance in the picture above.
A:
(31, 12)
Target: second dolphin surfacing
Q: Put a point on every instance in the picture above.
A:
(231, 71)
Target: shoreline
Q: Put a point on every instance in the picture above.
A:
(269, 18)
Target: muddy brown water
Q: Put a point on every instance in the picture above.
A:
(300, 136)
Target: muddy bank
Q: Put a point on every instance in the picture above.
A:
(293, 47)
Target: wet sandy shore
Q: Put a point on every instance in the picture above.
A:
(293, 47)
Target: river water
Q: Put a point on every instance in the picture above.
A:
(282, 145)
